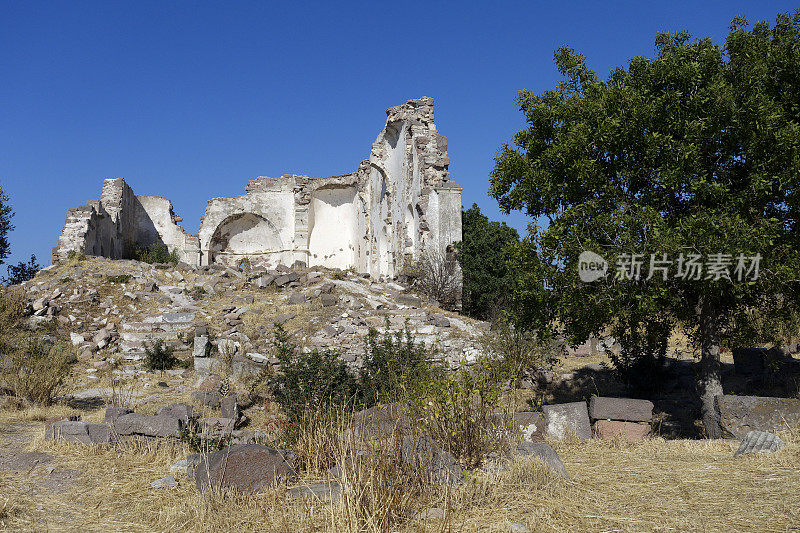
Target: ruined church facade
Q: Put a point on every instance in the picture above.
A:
(399, 204)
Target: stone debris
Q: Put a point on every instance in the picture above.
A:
(81, 432)
(759, 442)
(164, 483)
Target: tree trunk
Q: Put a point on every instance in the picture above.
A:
(710, 374)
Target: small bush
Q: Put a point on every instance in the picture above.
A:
(438, 277)
(156, 253)
(36, 370)
(22, 271)
(317, 379)
(158, 356)
(394, 366)
(462, 411)
(122, 278)
(520, 350)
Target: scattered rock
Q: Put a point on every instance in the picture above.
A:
(759, 442)
(318, 491)
(208, 399)
(546, 454)
(83, 432)
(112, 413)
(630, 431)
(147, 425)
(531, 425)
(164, 482)
(245, 468)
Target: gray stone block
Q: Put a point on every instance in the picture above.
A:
(147, 425)
(564, 418)
(210, 398)
(83, 432)
(625, 409)
(739, 415)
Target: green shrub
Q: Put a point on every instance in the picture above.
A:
(462, 410)
(394, 366)
(35, 369)
(156, 253)
(158, 356)
(122, 278)
(317, 379)
(22, 271)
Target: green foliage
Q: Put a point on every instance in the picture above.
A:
(461, 409)
(122, 278)
(156, 253)
(483, 254)
(518, 350)
(159, 356)
(315, 379)
(35, 369)
(6, 213)
(22, 271)
(395, 366)
(696, 150)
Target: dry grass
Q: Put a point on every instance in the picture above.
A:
(653, 486)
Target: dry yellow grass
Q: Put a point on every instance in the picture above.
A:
(658, 485)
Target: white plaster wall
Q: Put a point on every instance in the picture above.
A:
(332, 227)
(158, 212)
(277, 207)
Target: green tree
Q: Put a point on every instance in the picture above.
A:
(483, 254)
(5, 225)
(22, 271)
(695, 151)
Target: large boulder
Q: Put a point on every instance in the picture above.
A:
(738, 415)
(83, 432)
(561, 419)
(627, 409)
(245, 468)
(148, 425)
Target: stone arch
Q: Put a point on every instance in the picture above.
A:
(244, 235)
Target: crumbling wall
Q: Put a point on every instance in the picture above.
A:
(399, 204)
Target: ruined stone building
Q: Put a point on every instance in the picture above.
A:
(398, 204)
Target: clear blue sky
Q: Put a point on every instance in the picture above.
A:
(189, 100)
